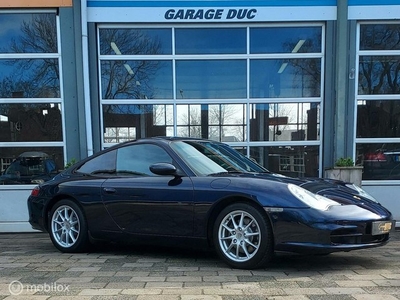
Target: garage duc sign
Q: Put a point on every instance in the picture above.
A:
(210, 14)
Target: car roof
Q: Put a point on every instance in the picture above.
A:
(167, 139)
(33, 154)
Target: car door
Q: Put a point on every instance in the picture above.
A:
(144, 203)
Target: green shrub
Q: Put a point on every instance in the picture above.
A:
(70, 163)
(344, 162)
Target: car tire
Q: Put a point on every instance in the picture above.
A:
(67, 227)
(242, 236)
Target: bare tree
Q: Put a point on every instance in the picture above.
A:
(379, 75)
(192, 119)
(34, 77)
(307, 72)
(223, 120)
(128, 78)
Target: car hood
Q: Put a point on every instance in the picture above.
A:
(342, 192)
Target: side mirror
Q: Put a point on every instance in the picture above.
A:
(163, 169)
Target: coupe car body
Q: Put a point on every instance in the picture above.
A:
(201, 192)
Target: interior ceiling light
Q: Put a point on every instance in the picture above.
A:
(295, 50)
(282, 68)
(115, 48)
(298, 46)
(118, 52)
(128, 68)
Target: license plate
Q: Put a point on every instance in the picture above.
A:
(382, 227)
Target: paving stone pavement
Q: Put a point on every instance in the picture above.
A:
(31, 268)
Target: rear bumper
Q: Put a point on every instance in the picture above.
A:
(36, 217)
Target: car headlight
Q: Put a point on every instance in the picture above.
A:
(312, 200)
(361, 192)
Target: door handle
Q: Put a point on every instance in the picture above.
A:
(109, 190)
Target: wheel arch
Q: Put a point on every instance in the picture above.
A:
(56, 199)
(220, 205)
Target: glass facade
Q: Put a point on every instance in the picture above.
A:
(210, 41)
(31, 132)
(378, 95)
(258, 88)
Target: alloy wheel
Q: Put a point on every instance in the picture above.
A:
(65, 226)
(239, 236)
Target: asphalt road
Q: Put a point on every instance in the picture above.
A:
(31, 268)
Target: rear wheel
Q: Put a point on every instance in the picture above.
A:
(67, 227)
(243, 236)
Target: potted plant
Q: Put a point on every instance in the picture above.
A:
(345, 170)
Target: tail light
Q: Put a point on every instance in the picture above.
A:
(377, 156)
(35, 191)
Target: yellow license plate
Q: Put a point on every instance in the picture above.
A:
(382, 227)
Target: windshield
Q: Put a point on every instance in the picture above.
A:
(214, 154)
(200, 164)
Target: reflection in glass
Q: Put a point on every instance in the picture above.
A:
(189, 114)
(227, 122)
(380, 161)
(285, 78)
(135, 160)
(190, 119)
(378, 119)
(296, 161)
(242, 150)
(379, 75)
(119, 134)
(126, 122)
(30, 165)
(28, 33)
(285, 40)
(221, 122)
(142, 79)
(380, 36)
(189, 131)
(163, 115)
(211, 79)
(135, 41)
(210, 40)
(30, 122)
(284, 122)
(29, 78)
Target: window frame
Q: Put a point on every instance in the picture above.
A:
(247, 100)
(54, 100)
(372, 97)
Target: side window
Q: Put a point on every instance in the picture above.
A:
(101, 165)
(137, 159)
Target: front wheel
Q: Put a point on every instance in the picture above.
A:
(67, 227)
(243, 236)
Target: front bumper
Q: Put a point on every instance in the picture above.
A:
(334, 241)
(309, 231)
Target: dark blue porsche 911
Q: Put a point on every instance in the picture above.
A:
(200, 192)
